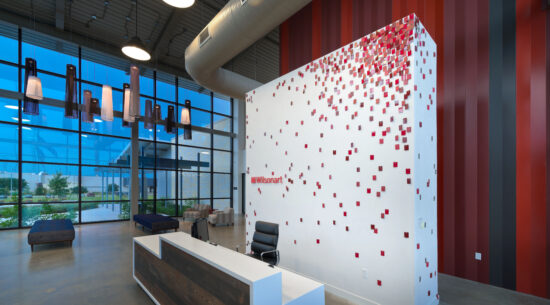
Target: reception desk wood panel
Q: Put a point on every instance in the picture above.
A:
(179, 278)
(175, 268)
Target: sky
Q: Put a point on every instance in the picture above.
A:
(44, 145)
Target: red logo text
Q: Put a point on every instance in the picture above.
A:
(266, 180)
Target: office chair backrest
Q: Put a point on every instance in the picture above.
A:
(265, 238)
(199, 229)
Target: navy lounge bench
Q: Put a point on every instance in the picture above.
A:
(156, 223)
(51, 231)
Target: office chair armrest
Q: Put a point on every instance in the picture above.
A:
(270, 251)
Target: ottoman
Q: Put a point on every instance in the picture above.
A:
(156, 223)
(51, 231)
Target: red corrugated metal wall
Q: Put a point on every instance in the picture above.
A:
(531, 122)
(462, 32)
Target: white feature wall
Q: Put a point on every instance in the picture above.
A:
(353, 136)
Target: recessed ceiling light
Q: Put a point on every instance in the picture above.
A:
(12, 107)
(180, 3)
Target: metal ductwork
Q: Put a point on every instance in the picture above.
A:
(236, 27)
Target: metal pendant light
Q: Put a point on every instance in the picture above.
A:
(33, 88)
(95, 109)
(157, 115)
(134, 92)
(134, 48)
(186, 120)
(71, 99)
(33, 85)
(107, 103)
(126, 106)
(87, 115)
(170, 126)
(185, 114)
(148, 121)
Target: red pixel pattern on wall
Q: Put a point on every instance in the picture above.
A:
(353, 135)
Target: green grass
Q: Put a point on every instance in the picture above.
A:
(72, 197)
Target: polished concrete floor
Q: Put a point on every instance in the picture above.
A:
(97, 270)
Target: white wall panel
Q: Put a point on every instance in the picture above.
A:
(357, 204)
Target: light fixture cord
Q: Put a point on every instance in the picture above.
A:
(34, 29)
(136, 18)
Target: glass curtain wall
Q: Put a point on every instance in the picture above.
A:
(52, 167)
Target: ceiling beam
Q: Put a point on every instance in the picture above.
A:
(60, 14)
(170, 28)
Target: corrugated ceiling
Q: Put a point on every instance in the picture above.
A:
(159, 25)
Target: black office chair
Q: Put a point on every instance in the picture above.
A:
(264, 242)
(199, 229)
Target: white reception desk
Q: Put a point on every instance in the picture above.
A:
(175, 268)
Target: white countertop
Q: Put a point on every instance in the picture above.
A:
(234, 263)
(295, 285)
(150, 242)
(242, 267)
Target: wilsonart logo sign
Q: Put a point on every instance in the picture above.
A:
(266, 180)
